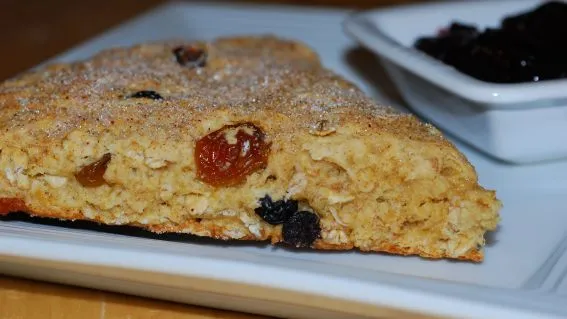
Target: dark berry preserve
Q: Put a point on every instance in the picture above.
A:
(525, 47)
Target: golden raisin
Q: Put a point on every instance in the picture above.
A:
(92, 175)
(227, 156)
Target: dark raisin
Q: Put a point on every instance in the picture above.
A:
(302, 229)
(190, 56)
(146, 95)
(276, 212)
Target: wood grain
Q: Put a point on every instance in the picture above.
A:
(20, 298)
(34, 30)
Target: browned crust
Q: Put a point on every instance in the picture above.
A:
(13, 205)
(10, 205)
(215, 231)
(473, 255)
(328, 246)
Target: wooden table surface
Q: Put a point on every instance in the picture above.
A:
(34, 30)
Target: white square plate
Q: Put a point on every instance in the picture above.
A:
(524, 275)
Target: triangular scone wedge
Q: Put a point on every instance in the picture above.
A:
(245, 138)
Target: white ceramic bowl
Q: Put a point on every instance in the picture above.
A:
(518, 123)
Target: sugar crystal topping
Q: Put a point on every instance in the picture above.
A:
(245, 75)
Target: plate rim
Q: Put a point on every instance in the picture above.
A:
(390, 290)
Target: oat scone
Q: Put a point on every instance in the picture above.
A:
(246, 138)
